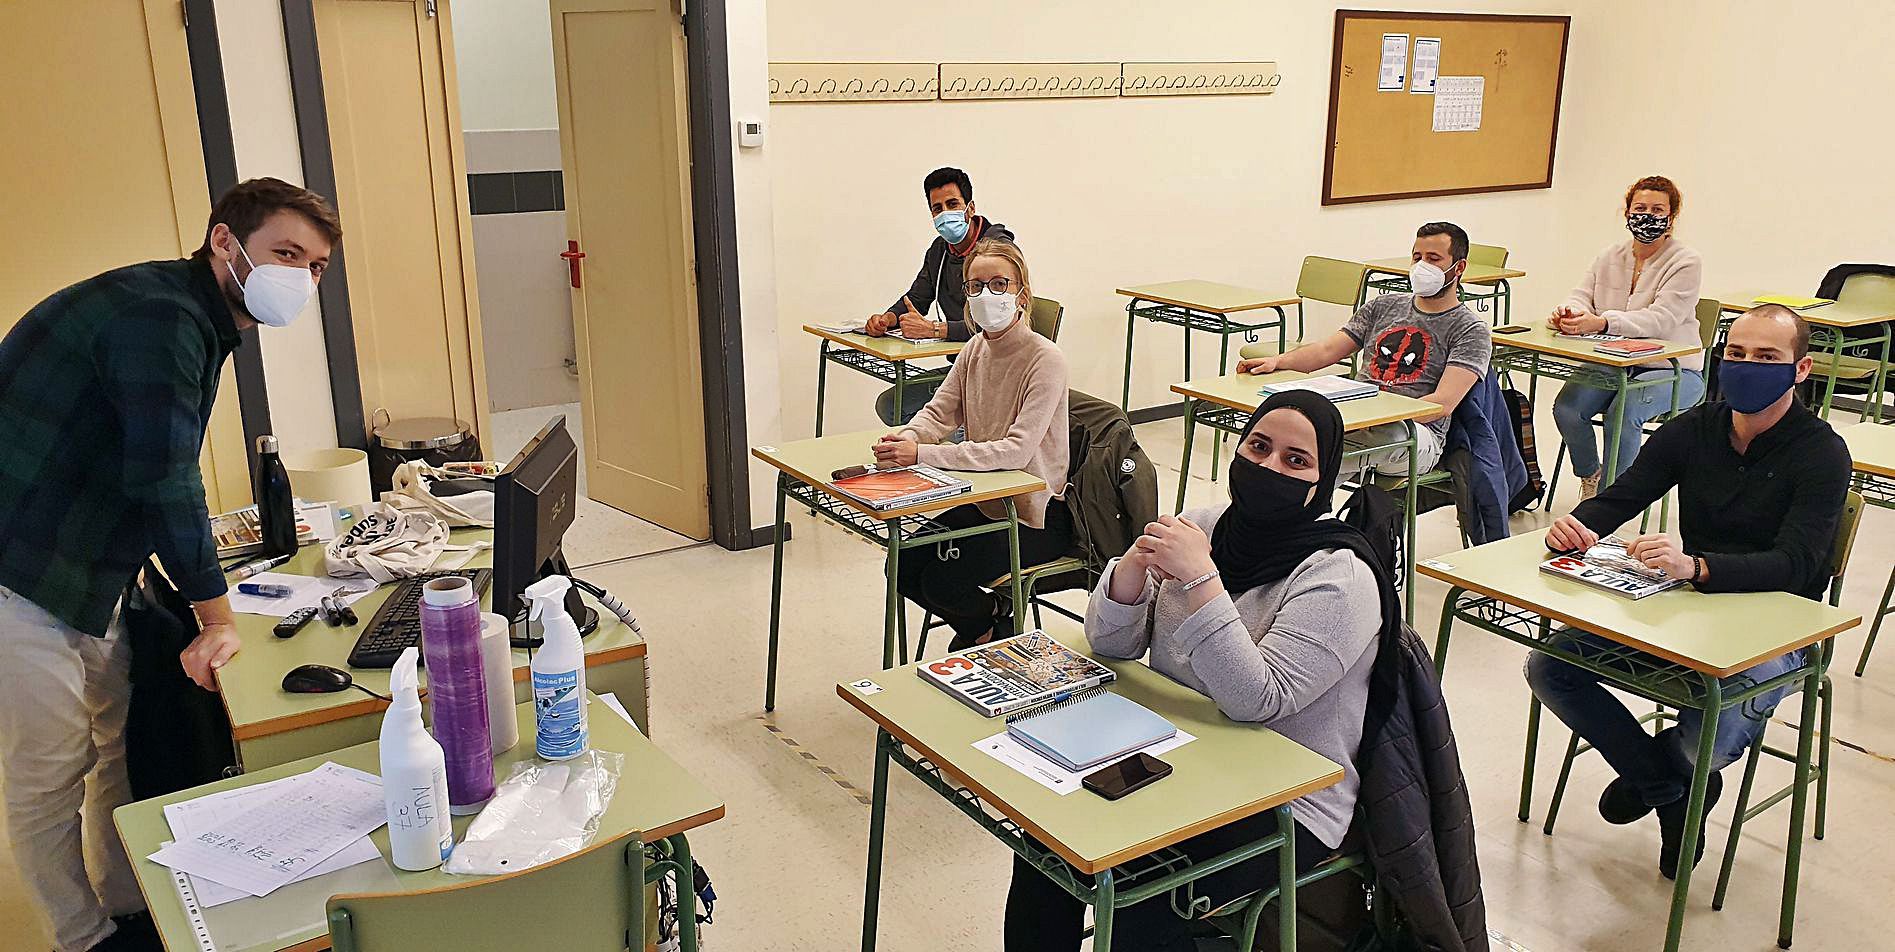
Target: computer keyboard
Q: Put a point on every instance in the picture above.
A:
(397, 624)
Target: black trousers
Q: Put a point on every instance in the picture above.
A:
(1042, 917)
(946, 578)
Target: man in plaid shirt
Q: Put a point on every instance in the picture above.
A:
(105, 392)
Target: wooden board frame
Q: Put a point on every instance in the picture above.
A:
(1427, 23)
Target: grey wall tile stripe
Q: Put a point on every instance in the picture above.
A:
(506, 193)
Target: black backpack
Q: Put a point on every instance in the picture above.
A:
(1376, 514)
(1522, 411)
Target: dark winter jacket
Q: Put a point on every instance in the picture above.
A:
(1493, 471)
(1112, 487)
(1414, 809)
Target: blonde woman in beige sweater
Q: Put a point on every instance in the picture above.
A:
(1008, 389)
(1645, 287)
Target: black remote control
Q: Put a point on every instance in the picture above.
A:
(293, 622)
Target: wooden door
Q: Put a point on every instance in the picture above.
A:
(104, 168)
(401, 190)
(619, 71)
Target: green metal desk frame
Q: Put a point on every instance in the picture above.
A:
(1638, 673)
(1831, 340)
(895, 372)
(1616, 379)
(1876, 490)
(1227, 420)
(894, 535)
(1167, 870)
(1192, 319)
(1501, 294)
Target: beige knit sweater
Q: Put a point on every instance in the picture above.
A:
(1663, 306)
(1010, 393)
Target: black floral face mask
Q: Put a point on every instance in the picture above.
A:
(1647, 227)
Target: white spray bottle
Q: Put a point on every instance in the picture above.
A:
(414, 775)
(559, 673)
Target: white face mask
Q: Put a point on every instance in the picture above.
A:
(1426, 279)
(993, 312)
(275, 293)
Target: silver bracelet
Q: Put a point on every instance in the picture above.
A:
(1200, 580)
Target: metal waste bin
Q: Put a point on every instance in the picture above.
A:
(436, 440)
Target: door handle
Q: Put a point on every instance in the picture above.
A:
(573, 255)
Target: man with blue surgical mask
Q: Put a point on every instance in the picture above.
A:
(1761, 482)
(106, 390)
(957, 227)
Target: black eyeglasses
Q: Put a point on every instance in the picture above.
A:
(999, 285)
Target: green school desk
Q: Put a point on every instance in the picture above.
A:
(1122, 849)
(1497, 278)
(1677, 645)
(655, 797)
(1200, 306)
(803, 469)
(1872, 450)
(272, 726)
(1539, 352)
(1831, 327)
(1225, 404)
(885, 358)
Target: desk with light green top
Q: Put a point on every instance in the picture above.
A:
(1122, 849)
(1539, 352)
(803, 470)
(885, 358)
(272, 726)
(1201, 306)
(1677, 645)
(1872, 450)
(655, 797)
(1497, 277)
(1226, 403)
(1831, 327)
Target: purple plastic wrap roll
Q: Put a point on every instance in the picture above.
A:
(457, 691)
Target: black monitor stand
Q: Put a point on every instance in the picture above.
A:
(526, 634)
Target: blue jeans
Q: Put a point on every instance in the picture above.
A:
(1660, 765)
(1577, 404)
(914, 397)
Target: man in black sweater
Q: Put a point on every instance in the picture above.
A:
(1761, 482)
(951, 203)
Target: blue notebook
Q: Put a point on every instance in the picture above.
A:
(1084, 733)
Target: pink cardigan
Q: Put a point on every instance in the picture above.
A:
(1664, 306)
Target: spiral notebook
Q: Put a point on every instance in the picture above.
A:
(1089, 730)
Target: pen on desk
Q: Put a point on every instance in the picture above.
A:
(259, 564)
(851, 472)
(265, 590)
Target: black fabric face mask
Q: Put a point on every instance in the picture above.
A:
(1262, 496)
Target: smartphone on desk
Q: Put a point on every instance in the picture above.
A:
(1132, 773)
(1512, 329)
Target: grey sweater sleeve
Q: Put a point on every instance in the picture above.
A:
(1115, 630)
(1330, 617)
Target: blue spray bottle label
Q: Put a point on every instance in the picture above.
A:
(559, 709)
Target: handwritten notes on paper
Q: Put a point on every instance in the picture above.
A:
(282, 837)
(1394, 72)
(1457, 103)
(192, 817)
(1427, 65)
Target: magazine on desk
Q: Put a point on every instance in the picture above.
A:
(1017, 673)
(1608, 566)
(882, 490)
(240, 533)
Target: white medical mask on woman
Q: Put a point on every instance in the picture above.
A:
(1426, 279)
(993, 312)
(275, 293)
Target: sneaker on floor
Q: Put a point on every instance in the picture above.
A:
(1671, 827)
(1589, 486)
(1621, 803)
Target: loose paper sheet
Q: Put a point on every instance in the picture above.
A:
(305, 592)
(1457, 103)
(192, 817)
(1394, 70)
(1427, 67)
(294, 830)
(1004, 748)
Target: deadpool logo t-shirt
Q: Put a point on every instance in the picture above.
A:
(1405, 350)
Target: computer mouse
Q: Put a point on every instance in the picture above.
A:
(316, 679)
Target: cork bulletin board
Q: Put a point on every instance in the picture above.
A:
(1498, 78)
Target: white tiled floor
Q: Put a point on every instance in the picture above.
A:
(788, 858)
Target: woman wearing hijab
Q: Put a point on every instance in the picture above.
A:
(1267, 606)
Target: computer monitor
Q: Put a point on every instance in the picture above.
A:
(534, 500)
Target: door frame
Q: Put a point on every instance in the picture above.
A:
(714, 215)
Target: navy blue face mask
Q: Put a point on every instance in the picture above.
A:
(1750, 386)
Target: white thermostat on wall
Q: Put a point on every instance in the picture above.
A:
(750, 133)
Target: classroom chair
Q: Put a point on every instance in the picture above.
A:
(1857, 369)
(1046, 318)
(1807, 733)
(1238, 919)
(1492, 256)
(1882, 610)
(593, 899)
(1065, 574)
(1709, 330)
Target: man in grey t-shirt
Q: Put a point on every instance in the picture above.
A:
(1426, 345)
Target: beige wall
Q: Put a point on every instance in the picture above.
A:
(748, 43)
(503, 50)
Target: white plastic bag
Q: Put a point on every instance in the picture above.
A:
(541, 812)
(411, 491)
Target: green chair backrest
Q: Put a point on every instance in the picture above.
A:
(1709, 311)
(1845, 534)
(1870, 290)
(1047, 315)
(593, 899)
(1331, 280)
(1492, 256)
